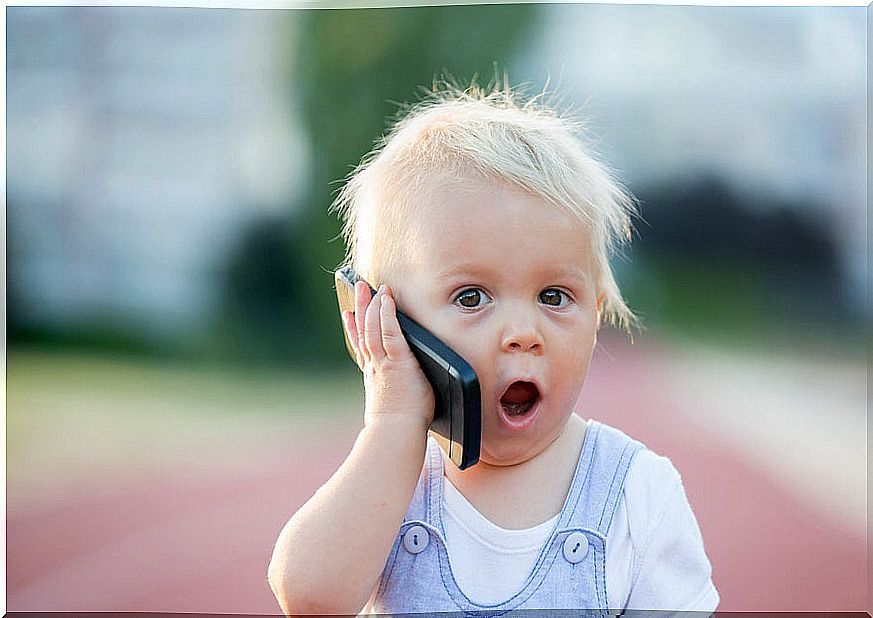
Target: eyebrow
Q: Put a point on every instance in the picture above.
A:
(477, 270)
(463, 270)
(571, 273)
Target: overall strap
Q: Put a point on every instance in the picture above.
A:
(433, 473)
(425, 501)
(599, 479)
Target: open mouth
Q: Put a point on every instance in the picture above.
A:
(519, 398)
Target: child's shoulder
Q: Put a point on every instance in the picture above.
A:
(652, 480)
(646, 467)
(649, 474)
(655, 530)
(653, 496)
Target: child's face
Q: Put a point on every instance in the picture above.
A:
(505, 279)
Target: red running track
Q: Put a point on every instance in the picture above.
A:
(186, 544)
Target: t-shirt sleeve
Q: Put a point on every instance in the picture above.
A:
(670, 568)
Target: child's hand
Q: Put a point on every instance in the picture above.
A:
(395, 385)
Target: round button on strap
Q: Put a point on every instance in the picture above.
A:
(416, 539)
(575, 547)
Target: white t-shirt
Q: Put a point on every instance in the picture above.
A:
(654, 560)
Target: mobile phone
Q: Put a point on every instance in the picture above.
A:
(457, 419)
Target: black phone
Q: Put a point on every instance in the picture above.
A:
(457, 420)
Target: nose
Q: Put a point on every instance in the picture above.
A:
(522, 334)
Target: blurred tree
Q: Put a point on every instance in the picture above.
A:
(351, 68)
(733, 263)
(261, 313)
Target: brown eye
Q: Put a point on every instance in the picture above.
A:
(472, 298)
(553, 297)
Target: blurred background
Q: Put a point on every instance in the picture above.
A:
(177, 384)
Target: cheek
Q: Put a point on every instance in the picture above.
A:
(474, 350)
(473, 344)
(577, 348)
(463, 338)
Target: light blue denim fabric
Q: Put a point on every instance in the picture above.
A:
(423, 582)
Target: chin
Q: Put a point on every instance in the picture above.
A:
(507, 454)
(513, 450)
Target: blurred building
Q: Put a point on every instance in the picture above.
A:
(771, 99)
(140, 142)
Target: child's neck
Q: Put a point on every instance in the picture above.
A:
(525, 494)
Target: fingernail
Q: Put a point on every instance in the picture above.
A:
(381, 289)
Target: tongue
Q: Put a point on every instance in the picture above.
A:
(519, 398)
(519, 392)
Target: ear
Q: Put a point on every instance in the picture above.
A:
(600, 301)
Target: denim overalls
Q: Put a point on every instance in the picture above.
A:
(570, 572)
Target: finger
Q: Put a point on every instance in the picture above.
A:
(362, 300)
(373, 328)
(392, 338)
(351, 330)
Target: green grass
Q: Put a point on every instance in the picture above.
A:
(731, 305)
(77, 417)
(208, 390)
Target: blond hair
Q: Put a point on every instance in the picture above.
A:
(493, 133)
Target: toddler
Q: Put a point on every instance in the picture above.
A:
(489, 223)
